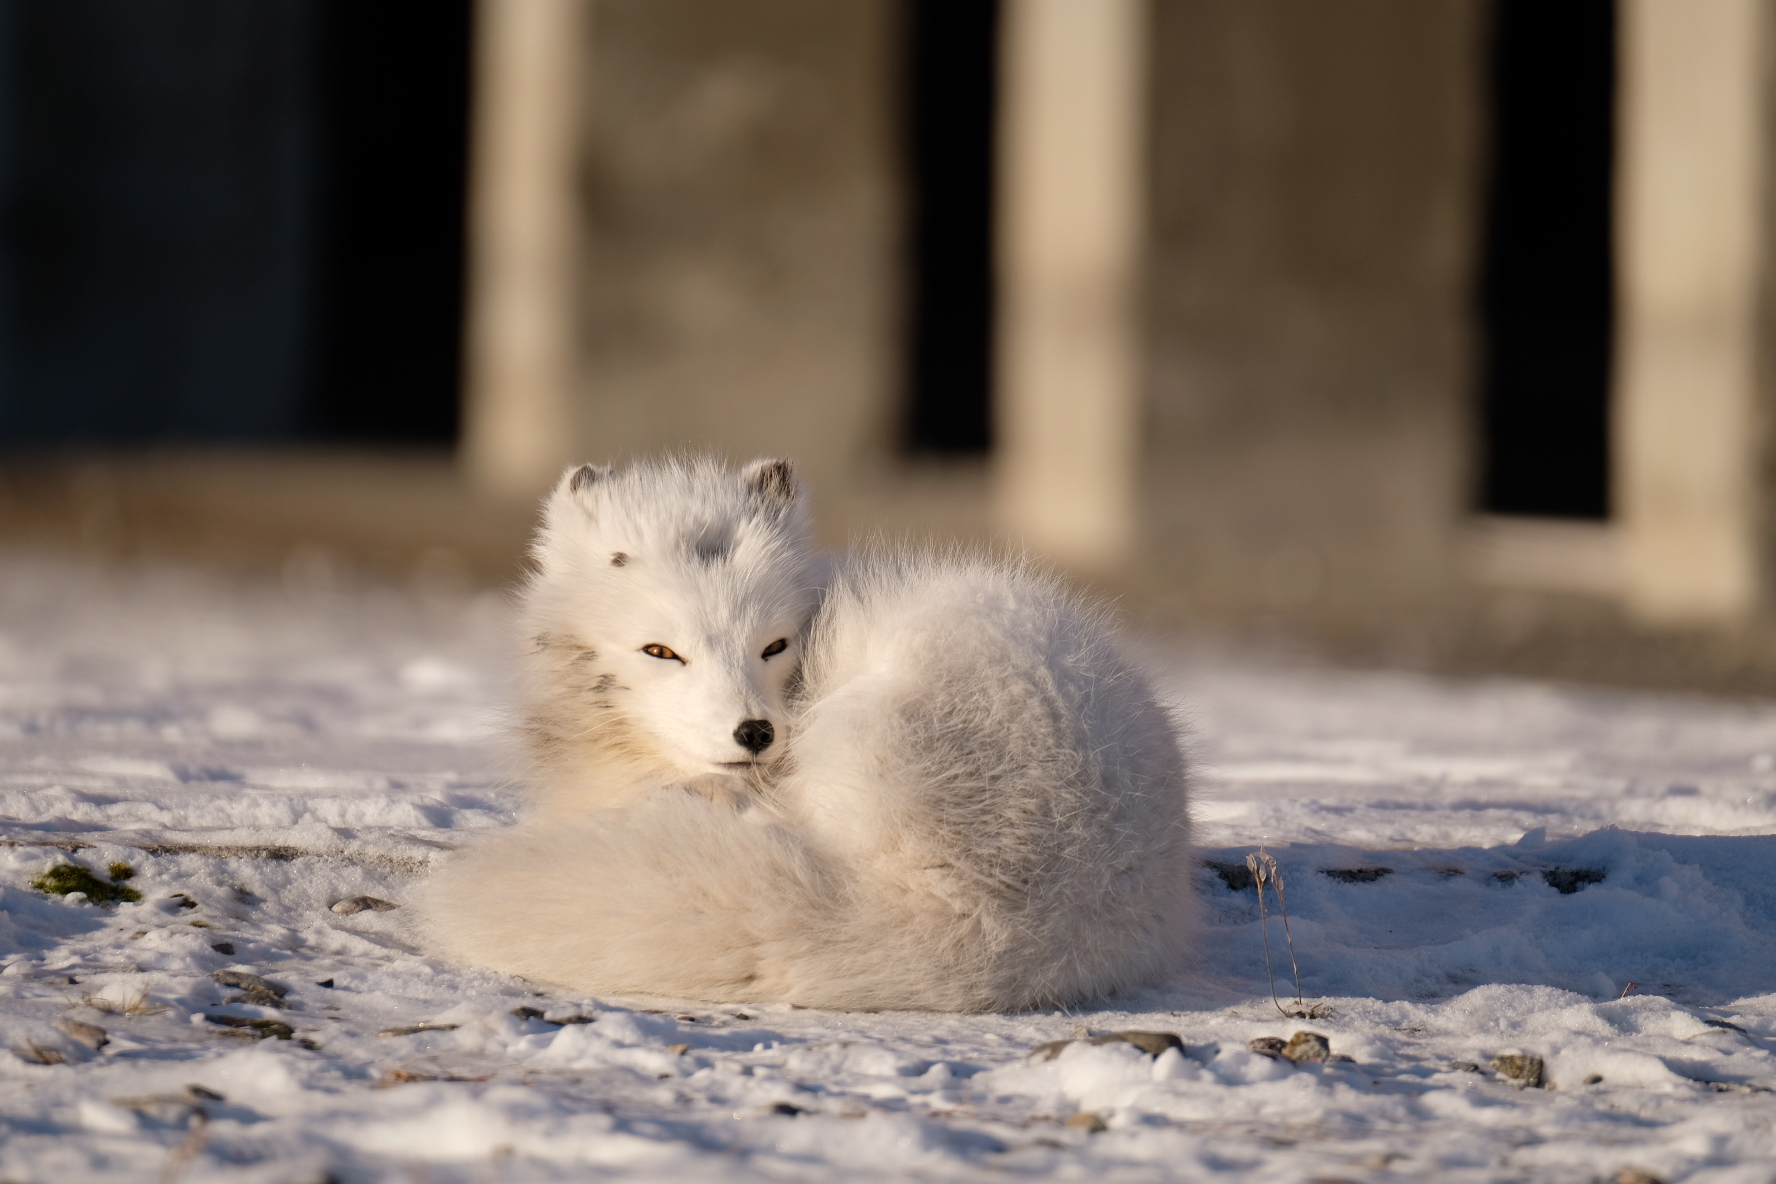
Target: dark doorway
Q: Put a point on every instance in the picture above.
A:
(394, 116)
(230, 222)
(951, 85)
(1547, 280)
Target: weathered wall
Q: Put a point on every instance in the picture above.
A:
(741, 228)
(1311, 226)
(1312, 223)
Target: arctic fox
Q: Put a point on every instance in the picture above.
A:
(909, 781)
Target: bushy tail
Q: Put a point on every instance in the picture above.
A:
(678, 897)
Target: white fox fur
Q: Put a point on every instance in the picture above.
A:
(971, 800)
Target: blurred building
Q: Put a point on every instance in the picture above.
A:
(1341, 311)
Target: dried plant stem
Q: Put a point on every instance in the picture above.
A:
(1256, 867)
(1276, 881)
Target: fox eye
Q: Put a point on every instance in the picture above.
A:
(659, 651)
(775, 648)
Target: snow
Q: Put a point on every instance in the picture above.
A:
(259, 752)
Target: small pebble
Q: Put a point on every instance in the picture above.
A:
(1268, 1046)
(223, 947)
(528, 1013)
(678, 1050)
(1636, 1176)
(358, 904)
(252, 984)
(1085, 1120)
(1524, 1070)
(415, 1029)
(259, 1028)
(1308, 1046)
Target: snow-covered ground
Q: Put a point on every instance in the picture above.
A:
(258, 753)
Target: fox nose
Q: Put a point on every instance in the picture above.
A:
(755, 735)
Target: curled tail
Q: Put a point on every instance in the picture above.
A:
(690, 899)
(679, 897)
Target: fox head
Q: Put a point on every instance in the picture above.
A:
(666, 617)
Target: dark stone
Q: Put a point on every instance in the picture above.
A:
(223, 947)
(1308, 1046)
(415, 1029)
(260, 1028)
(528, 1013)
(1525, 1071)
(1300, 1048)
(358, 904)
(247, 982)
(1268, 1046)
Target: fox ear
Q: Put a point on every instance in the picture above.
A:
(772, 483)
(569, 500)
(582, 477)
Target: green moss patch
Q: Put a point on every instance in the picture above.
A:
(71, 877)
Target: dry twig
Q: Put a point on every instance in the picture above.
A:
(1263, 867)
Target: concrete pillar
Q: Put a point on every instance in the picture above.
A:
(522, 359)
(1072, 138)
(1691, 255)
